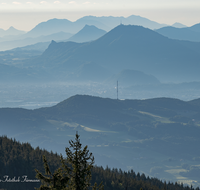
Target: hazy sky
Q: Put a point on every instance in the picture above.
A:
(25, 14)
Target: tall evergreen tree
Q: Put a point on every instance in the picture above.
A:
(81, 161)
(75, 173)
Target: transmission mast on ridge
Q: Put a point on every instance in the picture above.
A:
(117, 90)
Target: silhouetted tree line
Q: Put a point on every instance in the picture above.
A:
(18, 159)
(116, 179)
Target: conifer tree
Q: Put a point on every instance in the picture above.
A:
(56, 181)
(75, 173)
(81, 161)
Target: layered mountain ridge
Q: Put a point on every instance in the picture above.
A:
(130, 47)
(126, 47)
(185, 33)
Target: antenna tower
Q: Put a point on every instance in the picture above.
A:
(117, 90)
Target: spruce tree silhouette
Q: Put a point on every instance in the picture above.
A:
(75, 172)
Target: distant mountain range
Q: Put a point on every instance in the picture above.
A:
(187, 33)
(104, 23)
(11, 32)
(155, 136)
(130, 47)
(51, 29)
(53, 26)
(111, 22)
(58, 29)
(125, 47)
(40, 44)
(88, 33)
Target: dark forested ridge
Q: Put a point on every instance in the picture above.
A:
(19, 159)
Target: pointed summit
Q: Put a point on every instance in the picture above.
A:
(88, 33)
(11, 28)
(13, 31)
(179, 25)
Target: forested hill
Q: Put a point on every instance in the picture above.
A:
(79, 106)
(19, 159)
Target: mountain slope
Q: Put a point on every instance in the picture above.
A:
(195, 27)
(20, 159)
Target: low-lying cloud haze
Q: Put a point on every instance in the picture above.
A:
(25, 14)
